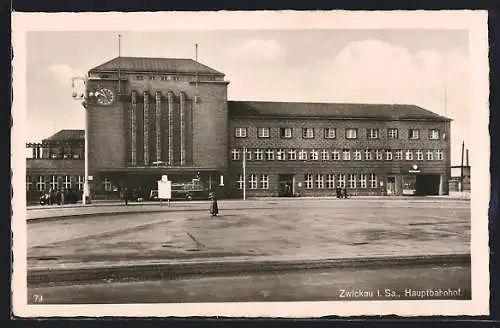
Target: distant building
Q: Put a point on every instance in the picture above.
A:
(172, 116)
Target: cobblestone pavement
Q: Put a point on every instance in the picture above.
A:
(295, 228)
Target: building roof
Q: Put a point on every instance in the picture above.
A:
(64, 135)
(157, 65)
(331, 110)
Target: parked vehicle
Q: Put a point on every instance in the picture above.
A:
(183, 191)
(71, 196)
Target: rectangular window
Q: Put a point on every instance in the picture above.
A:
(235, 154)
(368, 154)
(341, 181)
(292, 155)
(430, 155)
(280, 155)
(252, 181)
(362, 180)
(264, 181)
(285, 133)
(107, 184)
(420, 155)
(314, 155)
(320, 181)
(152, 77)
(388, 155)
(269, 155)
(79, 182)
(346, 155)
(351, 133)
(302, 155)
(409, 155)
(259, 156)
(249, 154)
(336, 155)
(307, 133)
(67, 182)
(139, 77)
(53, 183)
(240, 181)
(378, 154)
(330, 181)
(373, 181)
(351, 180)
(28, 183)
(399, 155)
(392, 133)
(308, 181)
(324, 155)
(40, 185)
(330, 133)
(372, 133)
(434, 134)
(240, 132)
(414, 134)
(357, 155)
(439, 155)
(263, 132)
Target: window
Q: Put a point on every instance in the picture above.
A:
(308, 181)
(320, 181)
(357, 155)
(40, 185)
(269, 155)
(351, 133)
(341, 181)
(235, 154)
(373, 181)
(152, 77)
(330, 181)
(263, 132)
(330, 133)
(434, 134)
(346, 155)
(324, 155)
(362, 180)
(241, 132)
(399, 155)
(259, 155)
(351, 180)
(409, 155)
(53, 183)
(420, 155)
(302, 155)
(280, 155)
(79, 182)
(368, 155)
(28, 182)
(378, 154)
(292, 155)
(388, 155)
(392, 133)
(264, 181)
(439, 155)
(286, 133)
(252, 181)
(430, 155)
(240, 181)
(414, 134)
(67, 182)
(307, 133)
(249, 154)
(164, 78)
(139, 77)
(372, 133)
(314, 155)
(336, 155)
(107, 184)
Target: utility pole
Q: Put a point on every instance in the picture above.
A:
(244, 173)
(119, 63)
(462, 169)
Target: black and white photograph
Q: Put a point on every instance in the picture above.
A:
(291, 164)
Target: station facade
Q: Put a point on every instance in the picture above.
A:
(148, 117)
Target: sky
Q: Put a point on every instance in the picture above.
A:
(428, 68)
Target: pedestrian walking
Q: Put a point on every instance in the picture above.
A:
(125, 196)
(214, 207)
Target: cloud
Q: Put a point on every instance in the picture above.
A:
(63, 73)
(259, 50)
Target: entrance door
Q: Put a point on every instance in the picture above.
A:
(391, 186)
(285, 185)
(428, 184)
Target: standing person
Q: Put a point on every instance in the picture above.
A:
(125, 195)
(62, 196)
(214, 207)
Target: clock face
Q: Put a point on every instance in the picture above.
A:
(104, 96)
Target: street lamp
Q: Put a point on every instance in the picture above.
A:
(79, 86)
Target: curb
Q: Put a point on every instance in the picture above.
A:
(214, 268)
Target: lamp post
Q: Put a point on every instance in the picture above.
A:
(80, 93)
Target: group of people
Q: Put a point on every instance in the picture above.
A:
(341, 193)
(60, 196)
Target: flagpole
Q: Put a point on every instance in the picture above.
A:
(119, 62)
(244, 173)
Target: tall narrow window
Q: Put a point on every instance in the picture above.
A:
(346, 155)
(409, 155)
(420, 155)
(249, 154)
(439, 155)
(292, 155)
(280, 155)
(308, 180)
(351, 179)
(373, 181)
(341, 180)
(378, 154)
(107, 184)
(80, 181)
(235, 154)
(314, 155)
(28, 183)
(388, 155)
(362, 180)
(270, 155)
(399, 155)
(430, 155)
(336, 155)
(324, 155)
(264, 181)
(53, 183)
(357, 155)
(40, 185)
(330, 181)
(302, 155)
(240, 181)
(67, 182)
(368, 154)
(252, 181)
(259, 155)
(320, 181)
